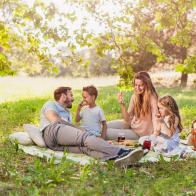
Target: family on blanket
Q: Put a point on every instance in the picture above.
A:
(147, 116)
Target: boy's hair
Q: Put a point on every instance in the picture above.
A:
(91, 90)
(170, 103)
(59, 91)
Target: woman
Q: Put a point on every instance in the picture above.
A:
(140, 119)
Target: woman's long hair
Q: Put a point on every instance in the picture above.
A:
(170, 103)
(142, 103)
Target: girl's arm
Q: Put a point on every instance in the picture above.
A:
(155, 114)
(157, 130)
(104, 130)
(169, 131)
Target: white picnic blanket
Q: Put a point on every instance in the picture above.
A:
(58, 155)
(84, 159)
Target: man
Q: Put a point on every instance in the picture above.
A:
(60, 134)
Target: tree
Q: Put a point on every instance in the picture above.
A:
(176, 18)
(25, 34)
(136, 35)
(5, 64)
(145, 32)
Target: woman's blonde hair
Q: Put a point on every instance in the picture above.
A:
(170, 103)
(142, 103)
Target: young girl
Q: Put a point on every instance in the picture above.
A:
(165, 137)
(91, 115)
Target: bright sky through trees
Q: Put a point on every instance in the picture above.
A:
(93, 26)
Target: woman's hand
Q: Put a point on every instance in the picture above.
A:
(125, 114)
(120, 98)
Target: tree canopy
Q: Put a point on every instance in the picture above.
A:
(47, 38)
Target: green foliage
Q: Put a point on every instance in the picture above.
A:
(126, 75)
(5, 66)
(144, 33)
(189, 65)
(141, 34)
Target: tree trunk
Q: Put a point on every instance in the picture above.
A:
(184, 76)
(184, 79)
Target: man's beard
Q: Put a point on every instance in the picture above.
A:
(68, 104)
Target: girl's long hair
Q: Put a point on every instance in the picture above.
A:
(170, 103)
(142, 102)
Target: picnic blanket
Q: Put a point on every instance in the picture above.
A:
(82, 159)
(57, 155)
(31, 142)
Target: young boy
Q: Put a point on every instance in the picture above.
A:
(91, 115)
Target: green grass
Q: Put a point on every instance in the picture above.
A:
(21, 174)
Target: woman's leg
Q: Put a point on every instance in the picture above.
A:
(119, 126)
(113, 134)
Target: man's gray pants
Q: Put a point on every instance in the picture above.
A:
(60, 136)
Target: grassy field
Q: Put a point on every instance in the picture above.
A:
(21, 174)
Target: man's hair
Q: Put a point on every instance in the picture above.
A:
(91, 90)
(59, 91)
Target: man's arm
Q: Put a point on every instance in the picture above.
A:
(52, 116)
(104, 130)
